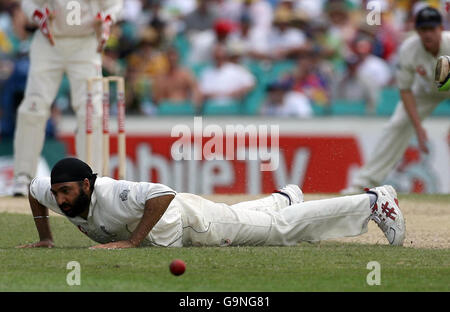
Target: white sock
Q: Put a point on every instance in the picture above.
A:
(373, 199)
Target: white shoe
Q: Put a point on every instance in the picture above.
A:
(387, 215)
(21, 186)
(293, 192)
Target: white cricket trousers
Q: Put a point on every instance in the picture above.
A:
(77, 57)
(270, 221)
(394, 140)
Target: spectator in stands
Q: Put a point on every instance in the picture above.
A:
(242, 37)
(157, 21)
(21, 30)
(4, 14)
(370, 32)
(347, 84)
(446, 15)
(144, 64)
(223, 29)
(314, 9)
(201, 19)
(372, 72)
(200, 33)
(202, 44)
(228, 10)
(177, 86)
(178, 7)
(341, 25)
(13, 76)
(225, 81)
(236, 52)
(132, 9)
(261, 14)
(255, 22)
(309, 81)
(283, 41)
(5, 30)
(302, 22)
(10, 94)
(384, 38)
(328, 46)
(387, 34)
(283, 102)
(5, 44)
(246, 38)
(111, 64)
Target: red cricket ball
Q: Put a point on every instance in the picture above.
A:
(177, 267)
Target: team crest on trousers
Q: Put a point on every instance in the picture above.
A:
(124, 195)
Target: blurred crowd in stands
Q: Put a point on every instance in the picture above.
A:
(298, 58)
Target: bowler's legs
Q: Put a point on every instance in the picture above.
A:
(318, 220)
(44, 78)
(393, 142)
(211, 224)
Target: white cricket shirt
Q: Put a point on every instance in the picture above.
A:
(116, 209)
(225, 79)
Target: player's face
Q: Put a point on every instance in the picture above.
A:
(431, 37)
(72, 197)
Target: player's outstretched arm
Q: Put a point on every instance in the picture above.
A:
(40, 215)
(153, 211)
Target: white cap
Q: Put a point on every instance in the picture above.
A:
(418, 6)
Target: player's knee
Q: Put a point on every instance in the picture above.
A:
(34, 106)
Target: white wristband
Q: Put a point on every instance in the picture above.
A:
(40, 217)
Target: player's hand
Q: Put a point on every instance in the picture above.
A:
(102, 26)
(422, 139)
(41, 244)
(114, 245)
(43, 20)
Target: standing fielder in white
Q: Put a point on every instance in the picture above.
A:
(418, 58)
(123, 214)
(71, 37)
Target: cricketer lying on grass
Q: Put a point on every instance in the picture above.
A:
(123, 214)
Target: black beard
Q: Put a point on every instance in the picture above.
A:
(80, 205)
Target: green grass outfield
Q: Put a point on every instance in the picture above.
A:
(329, 266)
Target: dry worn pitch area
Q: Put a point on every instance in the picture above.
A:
(427, 218)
